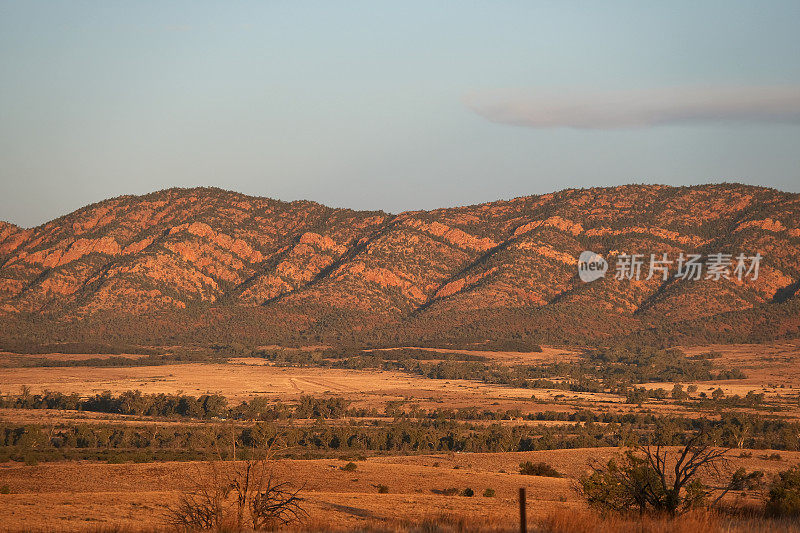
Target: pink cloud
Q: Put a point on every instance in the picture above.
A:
(638, 109)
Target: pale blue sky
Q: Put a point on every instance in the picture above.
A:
(371, 105)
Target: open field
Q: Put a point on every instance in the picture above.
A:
(770, 369)
(88, 495)
(245, 379)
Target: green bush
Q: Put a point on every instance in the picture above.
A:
(784, 494)
(488, 493)
(383, 489)
(468, 492)
(349, 467)
(538, 469)
(5, 489)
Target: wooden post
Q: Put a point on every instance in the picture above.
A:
(523, 516)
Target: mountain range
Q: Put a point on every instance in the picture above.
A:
(208, 265)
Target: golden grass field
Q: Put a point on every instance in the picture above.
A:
(72, 496)
(85, 495)
(771, 369)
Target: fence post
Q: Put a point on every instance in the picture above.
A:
(523, 515)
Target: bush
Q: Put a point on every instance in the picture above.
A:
(383, 489)
(784, 494)
(538, 469)
(468, 492)
(653, 479)
(5, 489)
(349, 467)
(488, 493)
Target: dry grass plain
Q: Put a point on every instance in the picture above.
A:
(771, 369)
(86, 495)
(245, 378)
(70, 496)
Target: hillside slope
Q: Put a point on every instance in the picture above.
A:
(222, 261)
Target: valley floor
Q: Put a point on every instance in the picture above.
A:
(90, 496)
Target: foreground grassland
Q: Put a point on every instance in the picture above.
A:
(418, 434)
(85, 495)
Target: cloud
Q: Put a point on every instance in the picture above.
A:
(638, 109)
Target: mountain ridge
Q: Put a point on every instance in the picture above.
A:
(188, 250)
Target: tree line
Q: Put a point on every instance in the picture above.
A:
(107, 441)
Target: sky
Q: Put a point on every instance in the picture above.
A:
(391, 105)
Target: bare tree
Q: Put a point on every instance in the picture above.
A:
(268, 501)
(237, 496)
(204, 506)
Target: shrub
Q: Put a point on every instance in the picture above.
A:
(5, 489)
(538, 469)
(383, 489)
(784, 494)
(468, 492)
(743, 481)
(652, 479)
(349, 467)
(488, 493)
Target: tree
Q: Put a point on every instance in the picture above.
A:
(678, 393)
(652, 478)
(737, 428)
(235, 495)
(269, 502)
